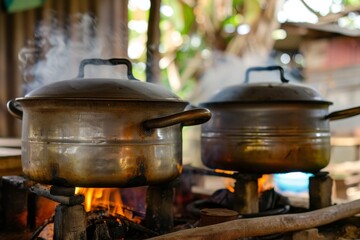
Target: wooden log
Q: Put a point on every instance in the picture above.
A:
(267, 225)
(70, 223)
(101, 232)
(320, 191)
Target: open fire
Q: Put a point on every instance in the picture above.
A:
(111, 200)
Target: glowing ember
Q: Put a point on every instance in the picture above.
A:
(224, 171)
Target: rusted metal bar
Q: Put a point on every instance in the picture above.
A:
(44, 191)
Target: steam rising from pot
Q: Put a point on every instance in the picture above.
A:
(57, 50)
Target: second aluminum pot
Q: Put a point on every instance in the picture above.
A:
(103, 132)
(268, 128)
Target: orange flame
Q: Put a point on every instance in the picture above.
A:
(105, 198)
(264, 183)
(229, 182)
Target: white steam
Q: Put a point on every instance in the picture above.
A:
(57, 50)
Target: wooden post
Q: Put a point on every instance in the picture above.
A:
(246, 194)
(70, 222)
(159, 211)
(320, 189)
(14, 202)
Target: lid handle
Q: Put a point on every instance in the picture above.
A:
(269, 68)
(111, 61)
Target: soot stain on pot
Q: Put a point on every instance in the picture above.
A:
(55, 180)
(140, 178)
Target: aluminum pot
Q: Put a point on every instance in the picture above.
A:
(103, 132)
(268, 127)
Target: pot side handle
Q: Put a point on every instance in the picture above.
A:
(14, 108)
(186, 118)
(346, 113)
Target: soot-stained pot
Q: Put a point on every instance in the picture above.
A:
(268, 127)
(103, 132)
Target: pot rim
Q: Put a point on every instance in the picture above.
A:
(165, 100)
(287, 102)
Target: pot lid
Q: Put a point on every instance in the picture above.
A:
(104, 88)
(267, 91)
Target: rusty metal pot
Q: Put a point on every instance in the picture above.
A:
(268, 127)
(103, 132)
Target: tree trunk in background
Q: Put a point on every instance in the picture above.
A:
(153, 42)
(4, 96)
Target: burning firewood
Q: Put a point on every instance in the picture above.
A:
(116, 226)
